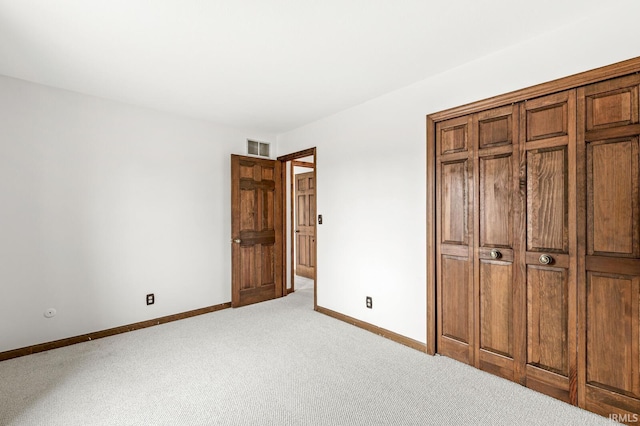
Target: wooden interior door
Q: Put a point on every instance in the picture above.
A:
(609, 379)
(305, 224)
(256, 229)
(548, 174)
(454, 248)
(499, 297)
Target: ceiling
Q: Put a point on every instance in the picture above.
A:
(271, 65)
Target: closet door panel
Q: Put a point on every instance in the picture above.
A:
(547, 169)
(612, 332)
(454, 293)
(496, 307)
(609, 326)
(547, 119)
(547, 202)
(496, 201)
(612, 104)
(495, 128)
(455, 197)
(497, 215)
(613, 198)
(547, 321)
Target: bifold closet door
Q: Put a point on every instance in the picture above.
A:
(454, 250)
(609, 292)
(498, 294)
(479, 218)
(547, 173)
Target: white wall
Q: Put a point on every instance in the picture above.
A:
(102, 203)
(371, 167)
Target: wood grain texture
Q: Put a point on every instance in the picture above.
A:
(455, 198)
(547, 121)
(547, 202)
(548, 319)
(609, 317)
(612, 333)
(576, 178)
(613, 199)
(548, 165)
(456, 292)
(496, 158)
(496, 201)
(453, 136)
(305, 224)
(256, 220)
(454, 295)
(496, 307)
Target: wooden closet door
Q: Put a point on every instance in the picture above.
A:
(609, 291)
(454, 249)
(498, 299)
(547, 174)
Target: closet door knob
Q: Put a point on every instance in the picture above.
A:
(495, 254)
(236, 240)
(545, 259)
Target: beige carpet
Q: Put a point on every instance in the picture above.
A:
(275, 363)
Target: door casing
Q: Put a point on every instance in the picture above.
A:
(281, 211)
(288, 244)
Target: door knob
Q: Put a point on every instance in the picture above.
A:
(545, 259)
(495, 254)
(236, 240)
(297, 231)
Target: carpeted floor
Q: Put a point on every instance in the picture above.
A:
(275, 363)
(303, 283)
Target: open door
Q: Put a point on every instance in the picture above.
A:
(256, 230)
(305, 224)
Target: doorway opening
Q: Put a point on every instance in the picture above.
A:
(299, 211)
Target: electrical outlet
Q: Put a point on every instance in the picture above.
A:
(369, 302)
(151, 299)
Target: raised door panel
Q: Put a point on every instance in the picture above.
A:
(495, 127)
(613, 198)
(547, 122)
(547, 319)
(454, 196)
(613, 361)
(612, 108)
(547, 201)
(496, 201)
(455, 298)
(453, 136)
(496, 307)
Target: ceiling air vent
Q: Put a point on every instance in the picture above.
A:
(261, 149)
